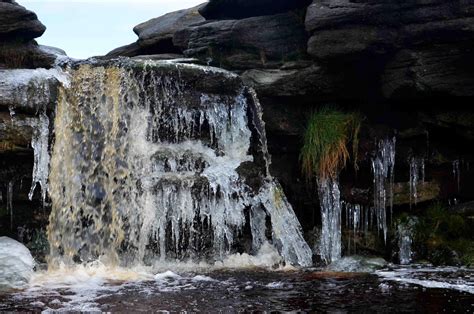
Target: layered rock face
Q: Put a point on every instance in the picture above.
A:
(406, 66)
(28, 92)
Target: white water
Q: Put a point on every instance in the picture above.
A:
(442, 278)
(154, 169)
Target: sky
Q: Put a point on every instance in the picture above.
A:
(94, 27)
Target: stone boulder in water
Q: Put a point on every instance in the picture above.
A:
(16, 264)
(357, 264)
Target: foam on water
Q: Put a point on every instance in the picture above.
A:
(442, 278)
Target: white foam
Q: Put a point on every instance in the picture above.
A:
(203, 278)
(415, 276)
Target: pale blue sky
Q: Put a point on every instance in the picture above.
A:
(94, 27)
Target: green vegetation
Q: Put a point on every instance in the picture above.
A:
(444, 238)
(326, 140)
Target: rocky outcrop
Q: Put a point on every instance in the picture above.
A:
(160, 31)
(256, 42)
(18, 29)
(17, 23)
(238, 9)
(28, 87)
(156, 35)
(417, 45)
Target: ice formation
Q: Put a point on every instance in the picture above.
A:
(417, 175)
(405, 234)
(32, 89)
(40, 145)
(383, 164)
(330, 202)
(457, 174)
(16, 264)
(145, 166)
(10, 202)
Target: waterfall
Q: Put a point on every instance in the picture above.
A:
(383, 165)
(330, 201)
(155, 161)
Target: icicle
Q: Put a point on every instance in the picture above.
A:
(286, 229)
(10, 202)
(11, 109)
(383, 170)
(457, 174)
(405, 233)
(329, 198)
(40, 145)
(417, 175)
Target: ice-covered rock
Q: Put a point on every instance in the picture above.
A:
(30, 90)
(358, 264)
(16, 264)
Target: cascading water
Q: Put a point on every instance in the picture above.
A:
(151, 161)
(330, 202)
(383, 165)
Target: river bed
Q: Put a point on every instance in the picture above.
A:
(409, 289)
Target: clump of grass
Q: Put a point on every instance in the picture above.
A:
(326, 142)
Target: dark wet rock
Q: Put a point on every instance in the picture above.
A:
(293, 81)
(18, 28)
(17, 23)
(426, 191)
(130, 50)
(255, 42)
(443, 255)
(376, 27)
(164, 56)
(28, 55)
(157, 34)
(463, 208)
(16, 132)
(238, 9)
(440, 69)
(462, 123)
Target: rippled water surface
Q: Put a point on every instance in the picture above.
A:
(413, 288)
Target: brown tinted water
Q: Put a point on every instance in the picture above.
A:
(414, 289)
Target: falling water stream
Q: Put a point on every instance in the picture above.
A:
(162, 200)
